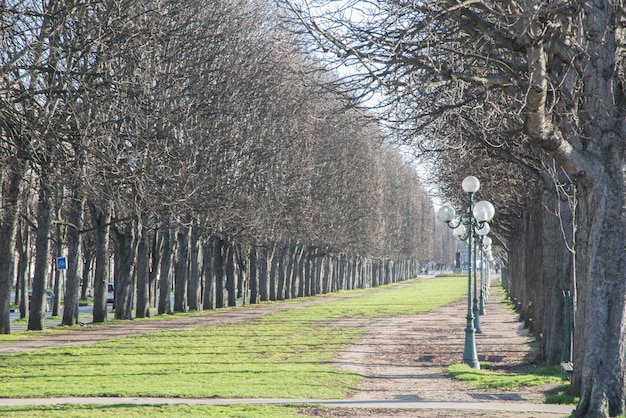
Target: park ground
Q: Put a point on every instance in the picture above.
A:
(402, 359)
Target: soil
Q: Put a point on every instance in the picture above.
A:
(402, 357)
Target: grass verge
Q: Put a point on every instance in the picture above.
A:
(133, 411)
(486, 379)
(563, 398)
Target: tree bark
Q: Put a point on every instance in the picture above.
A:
(72, 280)
(101, 218)
(599, 337)
(126, 242)
(58, 250)
(288, 267)
(23, 249)
(594, 156)
(231, 278)
(263, 274)
(209, 273)
(87, 268)
(218, 266)
(8, 229)
(181, 276)
(242, 275)
(165, 275)
(57, 274)
(253, 276)
(194, 295)
(156, 250)
(282, 271)
(42, 257)
(556, 273)
(273, 273)
(142, 309)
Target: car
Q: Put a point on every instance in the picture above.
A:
(110, 293)
(49, 299)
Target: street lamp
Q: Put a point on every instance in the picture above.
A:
(481, 232)
(486, 257)
(465, 226)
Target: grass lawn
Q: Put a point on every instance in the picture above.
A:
(132, 411)
(486, 379)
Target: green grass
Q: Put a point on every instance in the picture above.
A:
(562, 397)
(504, 298)
(486, 379)
(131, 411)
(393, 300)
(286, 354)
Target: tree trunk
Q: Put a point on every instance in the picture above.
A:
(101, 218)
(263, 274)
(273, 274)
(242, 276)
(326, 273)
(599, 337)
(218, 266)
(57, 274)
(165, 275)
(181, 275)
(209, 273)
(318, 270)
(296, 274)
(288, 267)
(58, 250)
(194, 295)
(142, 309)
(282, 271)
(155, 261)
(253, 276)
(591, 150)
(300, 272)
(87, 266)
(308, 272)
(229, 270)
(42, 258)
(23, 249)
(124, 276)
(341, 273)
(72, 279)
(8, 229)
(556, 274)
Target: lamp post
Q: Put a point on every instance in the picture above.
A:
(465, 226)
(481, 231)
(484, 272)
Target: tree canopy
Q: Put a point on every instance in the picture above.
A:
(182, 142)
(531, 96)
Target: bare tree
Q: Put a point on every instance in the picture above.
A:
(559, 68)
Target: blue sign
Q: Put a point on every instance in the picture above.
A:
(62, 263)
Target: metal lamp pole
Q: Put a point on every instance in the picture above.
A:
(475, 309)
(470, 356)
(465, 226)
(484, 272)
(481, 230)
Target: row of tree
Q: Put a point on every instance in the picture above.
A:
(530, 98)
(187, 145)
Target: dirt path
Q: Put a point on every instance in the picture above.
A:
(402, 358)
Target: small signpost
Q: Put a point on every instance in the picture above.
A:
(61, 263)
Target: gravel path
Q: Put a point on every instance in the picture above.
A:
(404, 358)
